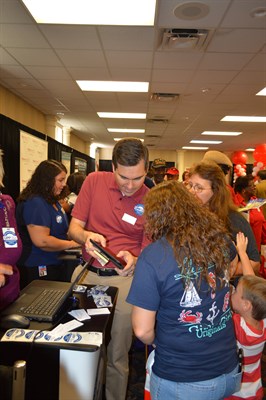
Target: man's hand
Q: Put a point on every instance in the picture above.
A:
(130, 263)
(97, 238)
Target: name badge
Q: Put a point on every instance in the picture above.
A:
(10, 238)
(128, 218)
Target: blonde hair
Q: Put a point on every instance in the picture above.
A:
(2, 172)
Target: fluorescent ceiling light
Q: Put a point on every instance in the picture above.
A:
(116, 139)
(113, 86)
(121, 115)
(250, 149)
(194, 148)
(262, 92)
(206, 141)
(238, 118)
(112, 130)
(221, 133)
(93, 12)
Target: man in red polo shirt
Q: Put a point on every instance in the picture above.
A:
(109, 209)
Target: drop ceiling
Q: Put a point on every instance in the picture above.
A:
(218, 76)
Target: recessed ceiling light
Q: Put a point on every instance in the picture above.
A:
(113, 86)
(194, 148)
(262, 92)
(121, 115)
(93, 12)
(117, 130)
(206, 141)
(221, 133)
(238, 118)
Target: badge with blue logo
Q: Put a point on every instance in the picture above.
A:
(139, 209)
(9, 237)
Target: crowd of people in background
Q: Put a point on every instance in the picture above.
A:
(185, 245)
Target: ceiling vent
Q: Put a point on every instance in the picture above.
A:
(158, 120)
(184, 39)
(153, 136)
(166, 97)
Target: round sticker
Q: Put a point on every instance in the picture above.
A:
(139, 209)
(59, 219)
(10, 238)
(72, 337)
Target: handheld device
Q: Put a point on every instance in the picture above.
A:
(105, 255)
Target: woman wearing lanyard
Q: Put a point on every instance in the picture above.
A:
(42, 224)
(10, 247)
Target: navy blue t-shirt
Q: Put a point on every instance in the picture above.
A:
(37, 211)
(195, 338)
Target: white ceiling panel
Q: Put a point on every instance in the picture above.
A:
(71, 37)
(23, 33)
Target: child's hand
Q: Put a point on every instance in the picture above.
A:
(241, 242)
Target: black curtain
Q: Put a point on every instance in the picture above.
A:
(10, 144)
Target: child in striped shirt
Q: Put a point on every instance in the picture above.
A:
(249, 305)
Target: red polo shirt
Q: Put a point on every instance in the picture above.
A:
(104, 209)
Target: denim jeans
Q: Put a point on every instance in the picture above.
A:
(213, 389)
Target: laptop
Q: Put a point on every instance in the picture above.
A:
(43, 300)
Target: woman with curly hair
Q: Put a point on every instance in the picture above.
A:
(42, 224)
(208, 185)
(180, 297)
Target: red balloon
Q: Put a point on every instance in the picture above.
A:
(260, 153)
(239, 157)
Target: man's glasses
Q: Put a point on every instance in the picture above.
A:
(196, 187)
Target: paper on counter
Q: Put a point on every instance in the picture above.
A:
(62, 329)
(98, 311)
(80, 315)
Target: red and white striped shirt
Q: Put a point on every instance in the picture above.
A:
(252, 342)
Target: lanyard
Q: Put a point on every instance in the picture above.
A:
(3, 207)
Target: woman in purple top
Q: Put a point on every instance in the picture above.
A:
(10, 247)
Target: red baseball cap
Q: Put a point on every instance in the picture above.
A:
(172, 171)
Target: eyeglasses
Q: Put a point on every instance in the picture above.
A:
(196, 187)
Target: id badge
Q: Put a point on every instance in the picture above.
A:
(10, 238)
(42, 270)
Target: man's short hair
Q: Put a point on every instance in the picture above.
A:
(262, 174)
(129, 152)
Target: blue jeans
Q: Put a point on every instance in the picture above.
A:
(213, 389)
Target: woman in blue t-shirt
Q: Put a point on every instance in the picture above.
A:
(180, 297)
(42, 224)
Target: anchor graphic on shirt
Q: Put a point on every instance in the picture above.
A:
(212, 309)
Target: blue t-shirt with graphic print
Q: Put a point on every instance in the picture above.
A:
(195, 338)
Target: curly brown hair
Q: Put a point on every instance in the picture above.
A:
(42, 181)
(221, 202)
(193, 231)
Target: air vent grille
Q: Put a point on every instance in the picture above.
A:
(152, 136)
(158, 120)
(166, 97)
(184, 39)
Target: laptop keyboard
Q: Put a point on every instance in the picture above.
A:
(45, 303)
